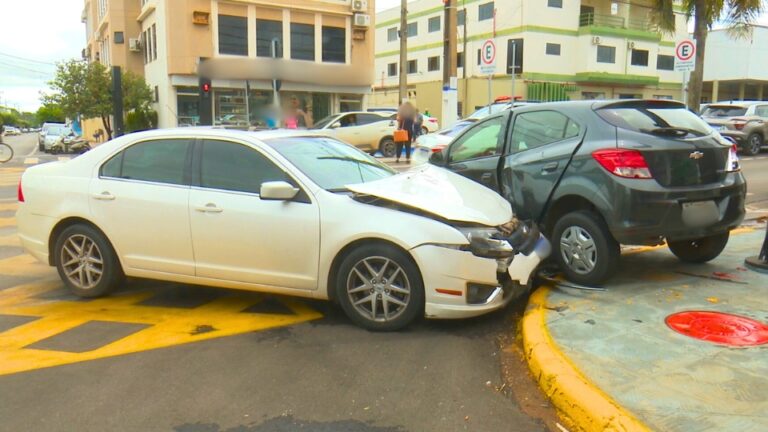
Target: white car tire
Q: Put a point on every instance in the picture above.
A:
(86, 261)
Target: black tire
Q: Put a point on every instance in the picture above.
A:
(408, 278)
(753, 144)
(111, 271)
(601, 262)
(699, 250)
(387, 147)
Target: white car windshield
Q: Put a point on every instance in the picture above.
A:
(329, 163)
(324, 122)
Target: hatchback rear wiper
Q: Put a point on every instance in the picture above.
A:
(673, 131)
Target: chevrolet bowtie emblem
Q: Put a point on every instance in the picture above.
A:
(696, 155)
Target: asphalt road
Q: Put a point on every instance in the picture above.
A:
(220, 360)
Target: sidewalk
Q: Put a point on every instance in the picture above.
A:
(609, 361)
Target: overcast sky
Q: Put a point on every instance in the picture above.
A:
(34, 34)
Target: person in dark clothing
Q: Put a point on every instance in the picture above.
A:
(406, 119)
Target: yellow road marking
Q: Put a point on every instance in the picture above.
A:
(12, 206)
(24, 265)
(8, 221)
(168, 326)
(10, 240)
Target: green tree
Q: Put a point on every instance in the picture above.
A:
(50, 113)
(85, 89)
(737, 15)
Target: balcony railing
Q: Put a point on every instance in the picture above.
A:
(592, 19)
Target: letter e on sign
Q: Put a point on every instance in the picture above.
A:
(488, 57)
(685, 55)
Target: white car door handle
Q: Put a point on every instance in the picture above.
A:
(209, 208)
(104, 196)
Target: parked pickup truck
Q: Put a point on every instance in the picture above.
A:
(594, 175)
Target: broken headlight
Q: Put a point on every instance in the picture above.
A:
(502, 242)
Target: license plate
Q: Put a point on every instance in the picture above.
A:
(424, 150)
(700, 213)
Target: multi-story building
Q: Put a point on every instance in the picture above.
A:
(745, 76)
(325, 51)
(580, 49)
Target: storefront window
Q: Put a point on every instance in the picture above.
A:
(230, 108)
(316, 105)
(187, 107)
(348, 103)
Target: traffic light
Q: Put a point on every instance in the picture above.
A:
(206, 104)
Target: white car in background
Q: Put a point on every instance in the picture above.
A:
(11, 130)
(292, 213)
(430, 123)
(370, 132)
(426, 145)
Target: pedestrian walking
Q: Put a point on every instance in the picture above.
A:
(406, 118)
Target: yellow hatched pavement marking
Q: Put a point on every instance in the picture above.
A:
(24, 265)
(168, 326)
(10, 176)
(10, 240)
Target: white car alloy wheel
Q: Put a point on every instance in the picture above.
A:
(82, 261)
(378, 288)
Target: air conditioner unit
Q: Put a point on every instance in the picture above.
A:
(630, 45)
(134, 45)
(362, 20)
(360, 5)
(595, 40)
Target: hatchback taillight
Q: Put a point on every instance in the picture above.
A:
(732, 165)
(438, 148)
(623, 163)
(20, 193)
(739, 124)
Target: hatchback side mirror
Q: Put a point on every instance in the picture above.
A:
(438, 158)
(278, 191)
(336, 125)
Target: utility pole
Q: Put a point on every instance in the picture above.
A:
(449, 43)
(464, 106)
(403, 50)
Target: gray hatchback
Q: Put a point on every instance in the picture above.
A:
(595, 175)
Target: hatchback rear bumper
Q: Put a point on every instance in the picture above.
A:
(650, 215)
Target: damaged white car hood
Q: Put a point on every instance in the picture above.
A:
(442, 193)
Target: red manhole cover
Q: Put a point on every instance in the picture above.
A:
(719, 328)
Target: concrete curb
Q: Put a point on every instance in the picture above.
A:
(572, 394)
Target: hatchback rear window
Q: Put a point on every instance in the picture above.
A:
(724, 111)
(671, 119)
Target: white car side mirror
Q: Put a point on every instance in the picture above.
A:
(336, 125)
(278, 191)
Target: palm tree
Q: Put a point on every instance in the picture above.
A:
(737, 15)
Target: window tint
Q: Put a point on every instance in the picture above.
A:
(113, 166)
(235, 167)
(639, 57)
(480, 141)
(724, 111)
(761, 111)
(363, 119)
(160, 161)
(553, 49)
(302, 41)
(266, 30)
(665, 62)
(334, 43)
(233, 35)
(434, 24)
(606, 54)
(535, 129)
(485, 11)
(649, 117)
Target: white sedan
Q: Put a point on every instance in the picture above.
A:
(426, 145)
(292, 213)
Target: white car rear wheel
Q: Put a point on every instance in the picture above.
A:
(86, 262)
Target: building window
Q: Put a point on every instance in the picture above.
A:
(302, 41)
(434, 24)
(516, 46)
(412, 67)
(144, 45)
(154, 42)
(485, 11)
(392, 69)
(479, 56)
(392, 34)
(555, 3)
(630, 96)
(592, 95)
(412, 29)
(266, 31)
(460, 59)
(119, 38)
(233, 35)
(639, 57)
(157, 95)
(334, 45)
(553, 49)
(606, 54)
(461, 17)
(433, 64)
(663, 97)
(665, 62)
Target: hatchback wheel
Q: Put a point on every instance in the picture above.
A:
(380, 288)
(86, 262)
(699, 250)
(584, 248)
(753, 144)
(387, 147)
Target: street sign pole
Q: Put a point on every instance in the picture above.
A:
(514, 70)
